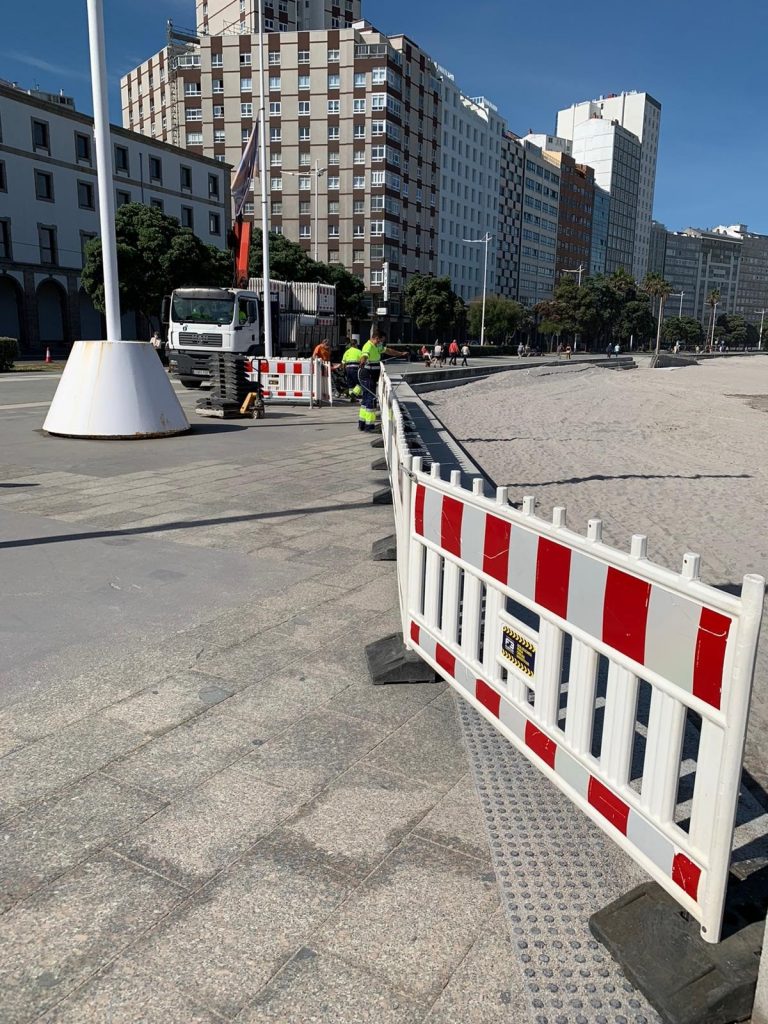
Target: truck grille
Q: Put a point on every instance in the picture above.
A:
(190, 338)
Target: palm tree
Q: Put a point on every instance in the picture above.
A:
(657, 287)
(712, 301)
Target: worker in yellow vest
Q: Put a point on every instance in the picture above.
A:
(370, 368)
(351, 363)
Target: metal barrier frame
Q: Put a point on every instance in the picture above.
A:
(299, 380)
(464, 560)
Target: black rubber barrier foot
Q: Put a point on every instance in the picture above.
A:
(390, 662)
(385, 550)
(383, 496)
(687, 980)
(379, 464)
(377, 442)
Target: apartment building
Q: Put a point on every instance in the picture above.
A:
(470, 178)
(697, 262)
(49, 211)
(574, 222)
(354, 138)
(540, 212)
(601, 215)
(752, 293)
(220, 17)
(657, 249)
(640, 114)
(510, 214)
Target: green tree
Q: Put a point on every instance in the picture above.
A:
(685, 329)
(349, 289)
(154, 256)
(433, 304)
(657, 287)
(635, 321)
(502, 318)
(733, 330)
(713, 298)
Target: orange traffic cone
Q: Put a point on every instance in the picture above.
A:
(48, 356)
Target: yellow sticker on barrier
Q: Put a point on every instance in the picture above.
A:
(519, 650)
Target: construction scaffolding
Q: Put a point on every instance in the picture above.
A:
(180, 43)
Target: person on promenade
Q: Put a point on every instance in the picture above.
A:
(322, 351)
(520, 350)
(464, 354)
(437, 353)
(609, 350)
(559, 349)
(617, 350)
(370, 368)
(351, 363)
(426, 358)
(453, 352)
(567, 351)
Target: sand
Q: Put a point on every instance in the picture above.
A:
(679, 455)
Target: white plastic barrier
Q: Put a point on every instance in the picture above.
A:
(293, 380)
(591, 661)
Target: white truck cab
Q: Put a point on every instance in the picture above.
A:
(202, 321)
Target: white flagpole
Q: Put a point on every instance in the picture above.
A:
(264, 211)
(104, 168)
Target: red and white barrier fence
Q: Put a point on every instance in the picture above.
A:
(591, 661)
(292, 380)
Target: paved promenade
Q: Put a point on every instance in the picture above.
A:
(208, 813)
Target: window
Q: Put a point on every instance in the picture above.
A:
(305, 184)
(359, 156)
(333, 230)
(155, 169)
(214, 222)
(358, 256)
(274, 57)
(359, 79)
(359, 206)
(218, 85)
(377, 277)
(303, 57)
(333, 132)
(48, 247)
(334, 206)
(305, 231)
(275, 135)
(245, 61)
(274, 109)
(274, 83)
(304, 134)
(333, 183)
(377, 177)
(121, 198)
(378, 153)
(188, 217)
(41, 138)
(334, 81)
(358, 106)
(194, 114)
(44, 186)
(277, 209)
(218, 112)
(304, 207)
(333, 56)
(219, 136)
(5, 239)
(334, 106)
(246, 85)
(359, 231)
(193, 89)
(303, 81)
(378, 127)
(85, 195)
(213, 186)
(194, 138)
(304, 107)
(333, 158)
(217, 60)
(83, 147)
(358, 131)
(276, 159)
(304, 159)
(122, 165)
(378, 76)
(358, 181)
(276, 184)
(379, 101)
(246, 109)
(156, 204)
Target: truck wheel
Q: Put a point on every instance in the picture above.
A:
(190, 382)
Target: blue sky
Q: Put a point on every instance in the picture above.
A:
(704, 62)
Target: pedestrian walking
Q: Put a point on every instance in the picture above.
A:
(437, 353)
(464, 354)
(520, 350)
(617, 349)
(370, 369)
(424, 355)
(453, 352)
(609, 350)
(567, 351)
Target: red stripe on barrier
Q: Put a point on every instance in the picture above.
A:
(710, 656)
(553, 571)
(280, 368)
(608, 804)
(418, 513)
(540, 744)
(281, 394)
(297, 394)
(264, 366)
(445, 660)
(415, 632)
(487, 697)
(686, 874)
(496, 548)
(450, 525)
(297, 368)
(625, 613)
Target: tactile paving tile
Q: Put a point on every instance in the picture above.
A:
(555, 869)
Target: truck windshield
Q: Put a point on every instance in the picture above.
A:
(203, 311)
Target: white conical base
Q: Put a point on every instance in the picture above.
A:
(115, 389)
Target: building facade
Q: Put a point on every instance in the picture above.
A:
(470, 176)
(49, 211)
(657, 249)
(540, 212)
(510, 214)
(227, 17)
(752, 294)
(697, 262)
(640, 114)
(574, 222)
(601, 215)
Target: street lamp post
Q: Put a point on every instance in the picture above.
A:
(482, 241)
(762, 313)
(712, 330)
(674, 295)
(267, 291)
(578, 270)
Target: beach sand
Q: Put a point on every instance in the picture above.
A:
(679, 455)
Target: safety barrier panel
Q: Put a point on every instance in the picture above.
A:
(594, 663)
(293, 380)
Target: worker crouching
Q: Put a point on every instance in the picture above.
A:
(351, 363)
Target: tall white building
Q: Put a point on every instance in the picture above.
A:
(216, 17)
(640, 114)
(470, 173)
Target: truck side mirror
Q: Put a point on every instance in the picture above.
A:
(165, 310)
